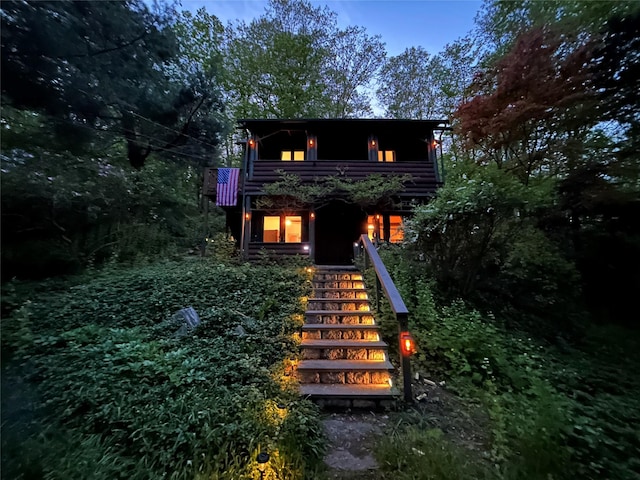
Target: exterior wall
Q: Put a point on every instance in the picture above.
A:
(423, 176)
(348, 148)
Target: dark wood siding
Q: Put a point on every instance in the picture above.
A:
(276, 249)
(423, 178)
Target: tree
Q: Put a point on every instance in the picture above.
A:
(108, 66)
(617, 78)
(407, 87)
(354, 59)
(295, 62)
(454, 71)
(500, 22)
(480, 241)
(528, 104)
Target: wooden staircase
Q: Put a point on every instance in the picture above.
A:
(343, 357)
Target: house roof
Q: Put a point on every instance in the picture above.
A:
(368, 125)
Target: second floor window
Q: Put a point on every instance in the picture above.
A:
(386, 155)
(292, 155)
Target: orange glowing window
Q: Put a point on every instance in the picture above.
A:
(396, 231)
(386, 156)
(289, 155)
(271, 231)
(374, 227)
(293, 229)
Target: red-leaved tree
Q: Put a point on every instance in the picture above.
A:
(530, 104)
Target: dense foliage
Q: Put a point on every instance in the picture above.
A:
(108, 67)
(521, 274)
(555, 411)
(295, 62)
(115, 392)
(375, 190)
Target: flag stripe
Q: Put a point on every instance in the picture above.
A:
(227, 187)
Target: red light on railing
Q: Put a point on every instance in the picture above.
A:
(407, 344)
(311, 142)
(252, 142)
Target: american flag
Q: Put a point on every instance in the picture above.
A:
(227, 187)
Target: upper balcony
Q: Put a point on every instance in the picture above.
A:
(354, 148)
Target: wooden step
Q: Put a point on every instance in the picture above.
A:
(338, 326)
(339, 305)
(344, 372)
(343, 349)
(336, 289)
(335, 268)
(340, 313)
(345, 365)
(342, 344)
(321, 390)
(333, 276)
(341, 317)
(337, 300)
(341, 294)
(339, 284)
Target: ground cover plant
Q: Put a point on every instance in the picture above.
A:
(96, 383)
(554, 411)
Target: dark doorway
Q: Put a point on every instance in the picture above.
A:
(338, 226)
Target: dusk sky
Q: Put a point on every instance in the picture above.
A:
(401, 24)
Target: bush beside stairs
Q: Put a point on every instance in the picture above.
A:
(343, 357)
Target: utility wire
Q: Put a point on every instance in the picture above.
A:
(155, 147)
(78, 89)
(172, 130)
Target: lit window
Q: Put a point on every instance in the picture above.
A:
(271, 232)
(374, 221)
(396, 232)
(386, 156)
(295, 155)
(293, 229)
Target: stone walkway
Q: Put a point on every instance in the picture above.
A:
(352, 437)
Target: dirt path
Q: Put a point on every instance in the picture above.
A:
(352, 437)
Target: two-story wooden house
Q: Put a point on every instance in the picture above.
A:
(314, 150)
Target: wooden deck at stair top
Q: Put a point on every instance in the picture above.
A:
(348, 391)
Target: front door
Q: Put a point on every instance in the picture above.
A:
(338, 226)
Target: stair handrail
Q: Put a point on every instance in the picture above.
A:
(384, 281)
